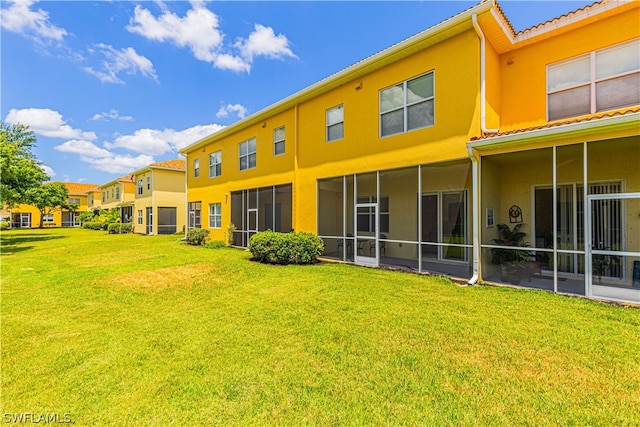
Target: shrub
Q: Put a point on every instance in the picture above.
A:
(4, 225)
(197, 236)
(119, 228)
(215, 244)
(285, 248)
(93, 225)
(229, 233)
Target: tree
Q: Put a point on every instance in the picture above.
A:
(47, 198)
(19, 169)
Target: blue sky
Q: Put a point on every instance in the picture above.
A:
(111, 86)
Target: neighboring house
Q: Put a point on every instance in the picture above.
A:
(119, 194)
(160, 198)
(94, 199)
(412, 157)
(27, 216)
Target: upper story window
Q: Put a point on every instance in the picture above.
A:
(597, 81)
(196, 168)
(407, 105)
(148, 183)
(103, 197)
(118, 193)
(278, 141)
(140, 186)
(215, 164)
(335, 123)
(73, 201)
(247, 154)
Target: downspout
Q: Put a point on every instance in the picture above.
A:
(474, 160)
(294, 184)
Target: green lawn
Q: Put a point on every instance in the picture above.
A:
(138, 330)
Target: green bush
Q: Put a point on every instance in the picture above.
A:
(285, 248)
(215, 244)
(93, 225)
(4, 225)
(197, 236)
(119, 228)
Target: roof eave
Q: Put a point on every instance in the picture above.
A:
(606, 124)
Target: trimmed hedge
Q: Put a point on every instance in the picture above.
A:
(286, 248)
(197, 236)
(119, 228)
(94, 225)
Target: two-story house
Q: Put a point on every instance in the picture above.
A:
(413, 156)
(160, 198)
(120, 194)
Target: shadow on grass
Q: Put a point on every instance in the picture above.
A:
(11, 244)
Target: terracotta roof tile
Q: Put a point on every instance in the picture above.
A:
(558, 123)
(77, 188)
(562, 17)
(170, 164)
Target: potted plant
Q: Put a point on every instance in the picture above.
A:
(512, 262)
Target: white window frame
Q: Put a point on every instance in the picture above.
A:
(140, 186)
(331, 124)
(196, 168)
(277, 141)
(139, 216)
(148, 183)
(215, 215)
(215, 164)
(47, 218)
(247, 155)
(407, 104)
(593, 80)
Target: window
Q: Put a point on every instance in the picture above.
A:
(215, 215)
(407, 106)
(194, 214)
(215, 164)
(140, 186)
(367, 218)
(196, 168)
(335, 123)
(118, 193)
(112, 193)
(47, 218)
(103, 197)
(148, 183)
(278, 141)
(598, 81)
(140, 217)
(73, 200)
(247, 154)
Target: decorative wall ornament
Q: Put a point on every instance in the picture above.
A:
(515, 214)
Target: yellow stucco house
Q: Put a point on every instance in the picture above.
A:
(27, 216)
(160, 198)
(416, 156)
(119, 194)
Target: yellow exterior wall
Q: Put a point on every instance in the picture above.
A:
(167, 190)
(109, 191)
(524, 82)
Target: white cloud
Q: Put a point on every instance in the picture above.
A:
(264, 42)
(116, 61)
(48, 170)
(46, 122)
(199, 31)
(237, 109)
(83, 148)
(156, 142)
(119, 163)
(111, 115)
(19, 18)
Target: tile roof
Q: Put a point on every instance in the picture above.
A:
(558, 123)
(564, 17)
(76, 188)
(170, 164)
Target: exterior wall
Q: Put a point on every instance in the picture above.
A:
(455, 64)
(269, 170)
(109, 191)
(524, 82)
(167, 189)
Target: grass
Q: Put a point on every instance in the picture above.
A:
(128, 329)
